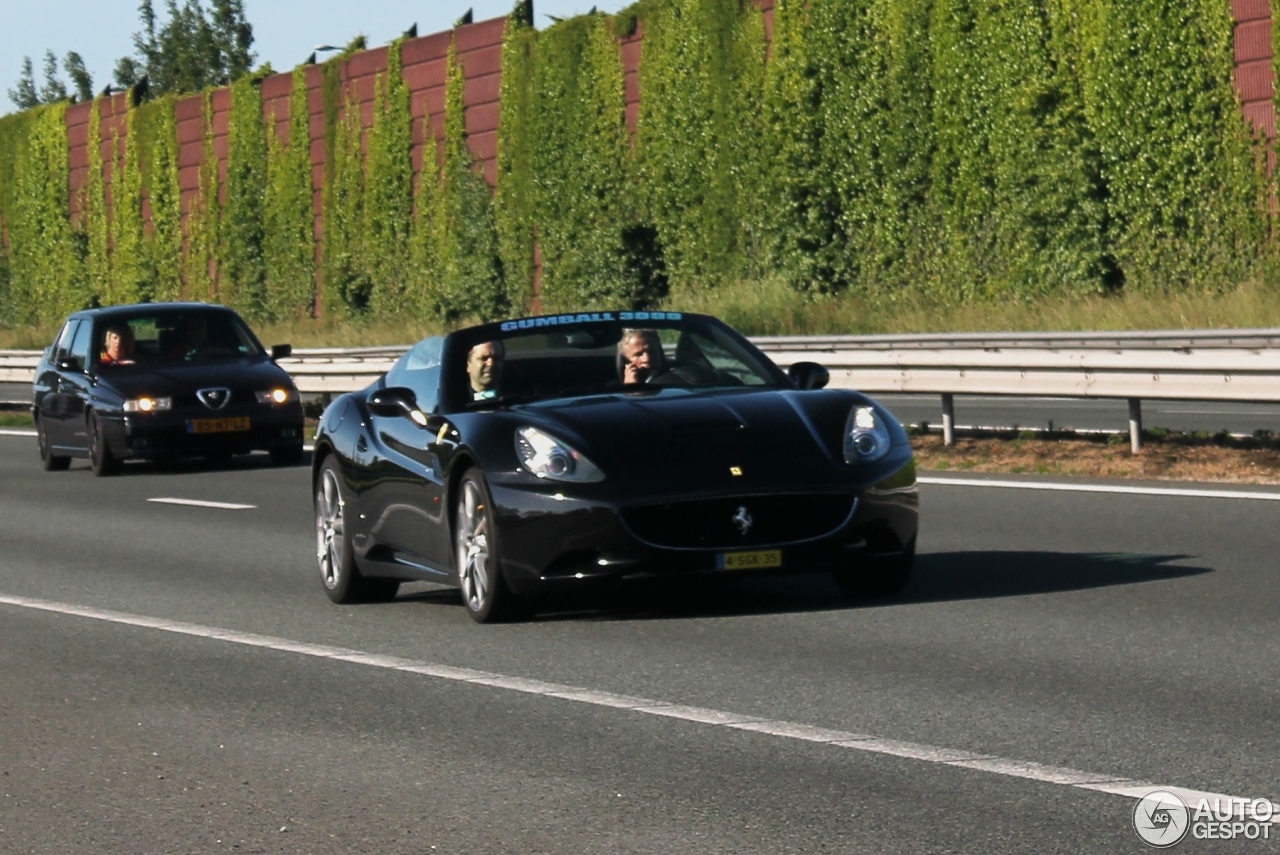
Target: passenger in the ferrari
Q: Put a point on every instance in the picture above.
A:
(640, 357)
(117, 345)
(484, 368)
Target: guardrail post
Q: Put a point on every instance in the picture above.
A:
(948, 419)
(1135, 425)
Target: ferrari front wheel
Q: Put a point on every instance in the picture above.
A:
(484, 591)
(343, 581)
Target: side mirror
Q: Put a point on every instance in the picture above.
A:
(71, 363)
(397, 401)
(809, 375)
(280, 351)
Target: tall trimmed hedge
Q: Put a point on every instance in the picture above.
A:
(388, 177)
(699, 135)
(242, 234)
(1184, 199)
(44, 259)
(201, 262)
(457, 229)
(955, 149)
(289, 245)
(583, 191)
(157, 144)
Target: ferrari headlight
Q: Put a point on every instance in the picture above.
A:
(279, 395)
(866, 436)
(547, 457)
(147, 405)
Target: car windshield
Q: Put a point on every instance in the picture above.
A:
(173, 338)
(528, 361)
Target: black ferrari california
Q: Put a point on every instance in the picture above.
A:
(558, 452)
(159, 380)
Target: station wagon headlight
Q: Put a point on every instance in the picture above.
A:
(866, 436)
(147, 405)
(279, 395)
(547, 457)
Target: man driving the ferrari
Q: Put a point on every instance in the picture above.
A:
(484, 368)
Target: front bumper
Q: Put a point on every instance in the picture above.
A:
(170, 433)
(555, 540)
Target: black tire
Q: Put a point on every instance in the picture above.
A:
(48, 460)
(475, 555)
(342, 579)
(881, 576)
(101, 460)
(291, 456)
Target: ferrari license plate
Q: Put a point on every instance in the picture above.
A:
(217, 425)
(749, 560)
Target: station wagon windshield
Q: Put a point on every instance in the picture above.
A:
(174, 338)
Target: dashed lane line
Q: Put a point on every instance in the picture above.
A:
(200, 503)
(1061, 776)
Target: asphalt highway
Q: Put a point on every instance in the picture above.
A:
(173, 680)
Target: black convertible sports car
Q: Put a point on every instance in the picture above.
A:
(551, 453)
(162, 380)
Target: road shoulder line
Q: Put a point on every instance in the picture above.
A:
(1059, 776)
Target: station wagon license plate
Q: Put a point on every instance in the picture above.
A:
(217, 425)
(749, 560)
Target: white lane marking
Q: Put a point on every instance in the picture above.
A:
(1102, 488)
(197, 503)
(1061, 776)
(15, 432)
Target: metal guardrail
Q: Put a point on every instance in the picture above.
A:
(1204, 365)
(1127, 340)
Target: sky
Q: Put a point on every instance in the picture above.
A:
(284, 31)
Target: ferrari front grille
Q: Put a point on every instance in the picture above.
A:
(740, 521)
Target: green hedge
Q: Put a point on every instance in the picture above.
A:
(289, 244)
(459, 270)
(157, 140)
(201, 264)
(45, 256)
(581, 173)
(1184, 197)
(952, 149)
(699, 135)
(242, 234)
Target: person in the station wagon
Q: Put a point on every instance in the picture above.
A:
(484, 368)
(117, 346)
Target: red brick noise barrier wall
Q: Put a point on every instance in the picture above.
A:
(479, 51)
(1255, 75)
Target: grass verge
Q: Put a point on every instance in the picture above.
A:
(1164, 456)
(769, 307)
